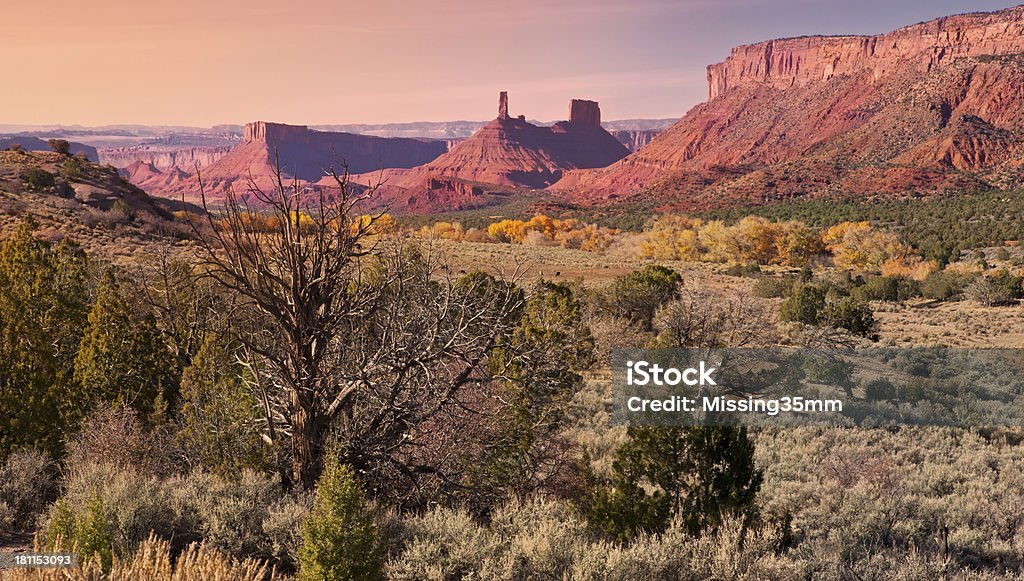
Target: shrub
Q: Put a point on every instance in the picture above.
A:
(880, 389)
(804, 305)
(443, 543)
(229, 516)
(339, 537)
(636, 296)
(87, 531)
(701, 318)
(811, 305)
(72, 168)
(283, 525)
(743, 269)
(61, 146)
(850, 314)
(698, 474)
(26, 485)
(769, 287)
(38, 178)
(892, 289)
(945, 284)
(133, 505)
(1002, 288)
(116, 434)
(540, 540)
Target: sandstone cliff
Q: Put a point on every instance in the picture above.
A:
(163, 158)
(852, 115)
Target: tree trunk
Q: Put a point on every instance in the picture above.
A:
(306, 447)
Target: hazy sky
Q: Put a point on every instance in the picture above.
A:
(202, 62)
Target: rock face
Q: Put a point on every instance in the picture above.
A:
(584, 113)
(163, 158)
(503, 105)
(304, 154)
(508, 152)
(934, 106)
(634, 139)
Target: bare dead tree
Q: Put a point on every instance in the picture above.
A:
(700, 318)
(346, 335)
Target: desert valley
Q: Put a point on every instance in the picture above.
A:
(359, 351)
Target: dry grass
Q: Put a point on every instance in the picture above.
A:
(153, 562)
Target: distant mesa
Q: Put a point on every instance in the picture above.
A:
(304, 154)
(164, 157)
(506, 153)
(937, 106)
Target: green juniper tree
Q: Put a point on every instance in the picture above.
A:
(697, 474)
(339, 536)
(123, 357)
(218, 414)
(43, 308)
(539, 368)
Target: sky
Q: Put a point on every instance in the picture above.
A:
(206, 62)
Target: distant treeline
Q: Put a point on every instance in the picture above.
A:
(941, 227)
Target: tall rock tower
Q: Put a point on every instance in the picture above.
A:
(584, 113)
(503, 105)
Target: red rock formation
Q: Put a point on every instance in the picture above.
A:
(634, 139)
(838, 116)
(584, 113)
(304, 154)
(503, 105)
(164, 157)
(509, 152)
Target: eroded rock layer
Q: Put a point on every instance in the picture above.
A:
(930, 107)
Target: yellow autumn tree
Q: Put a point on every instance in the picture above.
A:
(859, 246)
(672, 237)
(507, 231)
(377, 225)
(719, 241)
(443, 231)
(797, 244)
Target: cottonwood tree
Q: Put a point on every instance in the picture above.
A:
(348, 336)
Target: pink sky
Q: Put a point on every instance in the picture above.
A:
(194, 62)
